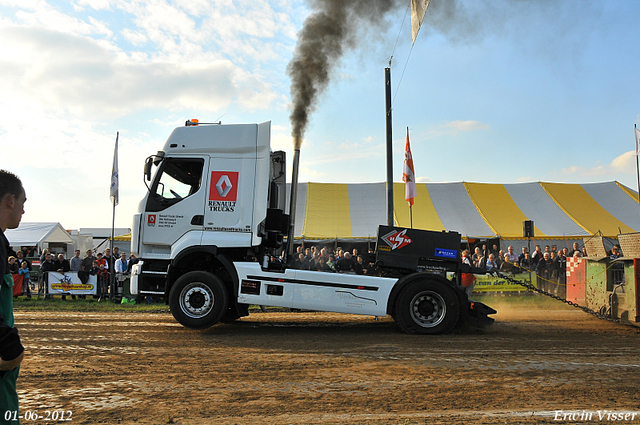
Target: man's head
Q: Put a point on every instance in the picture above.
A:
(546, 255)
(76, 253)
(19, 255)
(60, 257)
(510, 249)
(107, 251)
(12, 197)
(89, 252)
(123, 256)
(48, 257)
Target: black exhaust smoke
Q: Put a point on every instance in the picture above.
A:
(331, 29)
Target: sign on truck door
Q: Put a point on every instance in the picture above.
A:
(228, 217)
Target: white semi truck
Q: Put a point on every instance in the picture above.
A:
(214, 214)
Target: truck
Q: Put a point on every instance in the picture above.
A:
(213, 218)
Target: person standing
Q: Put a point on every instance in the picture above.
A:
(62, 265)
(76, 262)
(76, 266)
(544, 270)
(12, 198)
(468, 279)
(87, 262)
(45, 267)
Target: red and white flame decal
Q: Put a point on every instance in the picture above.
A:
(397, 239)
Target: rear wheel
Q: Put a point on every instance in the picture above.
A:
(427, 307)
(198, 300)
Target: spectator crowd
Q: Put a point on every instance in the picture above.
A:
(102, 265)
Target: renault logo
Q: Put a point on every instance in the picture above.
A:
(224, 186)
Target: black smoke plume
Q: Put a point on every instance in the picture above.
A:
(327, 33)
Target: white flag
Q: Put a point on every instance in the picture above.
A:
(113, 191)
(637, 140)
(418, 9)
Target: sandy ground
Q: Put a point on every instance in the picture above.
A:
(310, 368)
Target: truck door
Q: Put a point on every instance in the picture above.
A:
(228, 216)
(175, 204)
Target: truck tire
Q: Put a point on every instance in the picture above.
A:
(427, 307)
(198, 300)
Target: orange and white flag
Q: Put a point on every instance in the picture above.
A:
(409, 174)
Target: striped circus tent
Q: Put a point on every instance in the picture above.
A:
(475, 210)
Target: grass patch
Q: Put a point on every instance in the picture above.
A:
(58, 304)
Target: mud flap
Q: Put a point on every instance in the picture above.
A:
(479, 314)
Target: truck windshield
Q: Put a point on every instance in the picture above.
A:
(177, 179)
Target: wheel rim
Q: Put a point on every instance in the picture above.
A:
(428, 309)
(196, 300)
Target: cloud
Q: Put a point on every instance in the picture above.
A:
(623, 164)
(83, 76)
(453, 128)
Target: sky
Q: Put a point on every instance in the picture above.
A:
(495, 91)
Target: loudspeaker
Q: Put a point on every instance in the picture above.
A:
(527, 229)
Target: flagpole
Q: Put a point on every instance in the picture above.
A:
(635, 133)
(113, 194)
(389, 131)
(113, 262)
(410, 205)
(411, 214)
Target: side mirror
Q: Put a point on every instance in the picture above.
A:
(147, 168)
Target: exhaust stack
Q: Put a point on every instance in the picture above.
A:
(292, 203)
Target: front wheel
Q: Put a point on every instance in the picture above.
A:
(198, 300)
(427, 307)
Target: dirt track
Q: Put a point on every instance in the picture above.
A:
(307, 368)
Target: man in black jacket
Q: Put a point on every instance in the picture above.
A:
(12, 198)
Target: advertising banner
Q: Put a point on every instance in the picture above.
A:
(69, 283)
(497, 284)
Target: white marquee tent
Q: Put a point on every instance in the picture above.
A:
(41, 235)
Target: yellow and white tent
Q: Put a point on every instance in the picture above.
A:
(475, 210)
